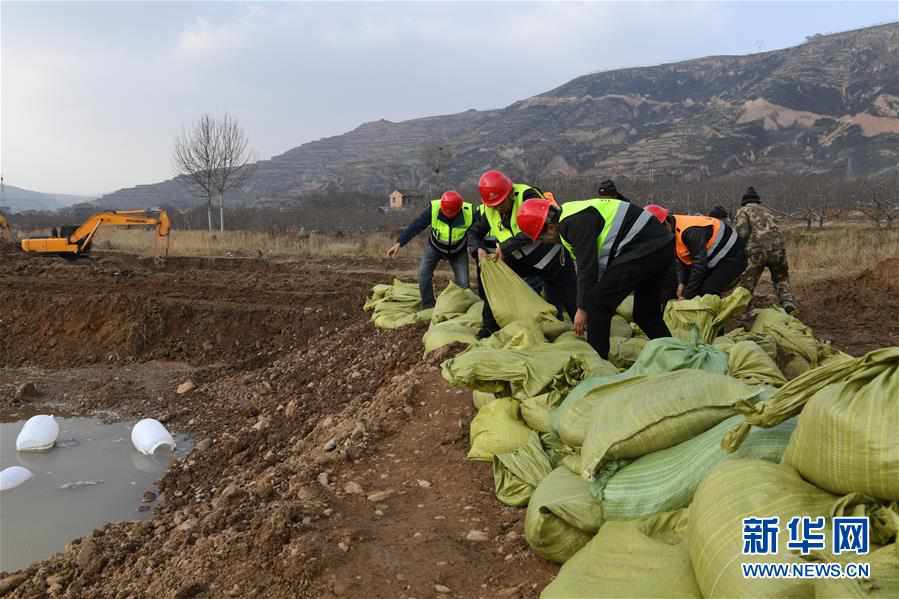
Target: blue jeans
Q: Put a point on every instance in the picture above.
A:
(429, 261)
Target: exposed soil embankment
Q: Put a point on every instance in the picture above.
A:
(329, 457)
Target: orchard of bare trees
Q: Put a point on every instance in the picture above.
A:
(813, 200)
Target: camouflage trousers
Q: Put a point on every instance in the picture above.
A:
(775, 260)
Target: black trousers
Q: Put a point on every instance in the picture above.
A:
(727, 272)
(559, 281)
(644, 277)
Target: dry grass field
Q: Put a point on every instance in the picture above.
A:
(813, 253)
(243, 243)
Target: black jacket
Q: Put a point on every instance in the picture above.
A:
(581, 231)
(696, 239)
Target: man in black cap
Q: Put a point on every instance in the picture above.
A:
(719, 212)
(607, 189)
(757, 228)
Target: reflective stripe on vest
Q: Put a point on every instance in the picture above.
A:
(717, 247)
(613, 213)
(731, 240)
(446, 237)
(498, 230)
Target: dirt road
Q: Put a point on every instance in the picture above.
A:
(329, 457)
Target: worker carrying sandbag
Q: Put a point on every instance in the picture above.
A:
(619, 249)
(765, 247)
(450, 218)
(710, 254)
(544, 267)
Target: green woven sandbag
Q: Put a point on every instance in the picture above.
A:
(396, 305)
(457, 330)
(518, 334)
(511, 299)
(665, 480)
(738, 489)
(537, 411)
(497, 428)
(749, 363)
(522, 373)
(517, 474)
(705, 315)
(562, 516)
(790, 399)
(555, 449)
(797, 348)
(882, 584)
(642, 559)
(626, 309)
(624, 352)
(621, 328)
(766, 342)
(453, 302)
(572, 419)
(481, 399)
(847, 439)
(658, 412)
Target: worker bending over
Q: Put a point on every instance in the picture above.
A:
(765, 246)
(710, 254)
(543, 267)
(619, 249)
(450, 218)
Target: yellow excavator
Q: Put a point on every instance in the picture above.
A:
(76, 240)
(5, 230)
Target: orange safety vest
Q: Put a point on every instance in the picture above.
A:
(719, 241)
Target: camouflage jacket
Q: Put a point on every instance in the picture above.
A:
(756, 227)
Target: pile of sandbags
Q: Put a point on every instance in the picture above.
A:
(396, 305)
(647, 558)
(636, 473)
(456, 318)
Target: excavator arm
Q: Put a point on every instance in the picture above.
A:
(79, 241)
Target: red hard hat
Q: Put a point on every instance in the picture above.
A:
(451, 203)
(660, 212)
(532, 217)
(495, 187)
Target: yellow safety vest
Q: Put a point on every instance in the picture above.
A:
(497, 229)
(613, 213)
(446, 237)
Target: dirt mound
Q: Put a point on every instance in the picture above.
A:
(329, 457)
(337, 470)
(8, 248)
(858, 313)
(58, 312)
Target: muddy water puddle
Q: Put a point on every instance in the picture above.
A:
(92, 476)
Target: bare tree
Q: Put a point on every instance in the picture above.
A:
(198, 157)
(213, 157)
(236, 161)
(878, 200)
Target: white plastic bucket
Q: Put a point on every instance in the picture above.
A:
(12, 477)
(149, 434)
(38, 434)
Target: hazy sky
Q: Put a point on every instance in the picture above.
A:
(93, 94)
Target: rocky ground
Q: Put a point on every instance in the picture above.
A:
(329, 457)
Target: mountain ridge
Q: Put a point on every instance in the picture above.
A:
(19, 199)
(829, 105)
